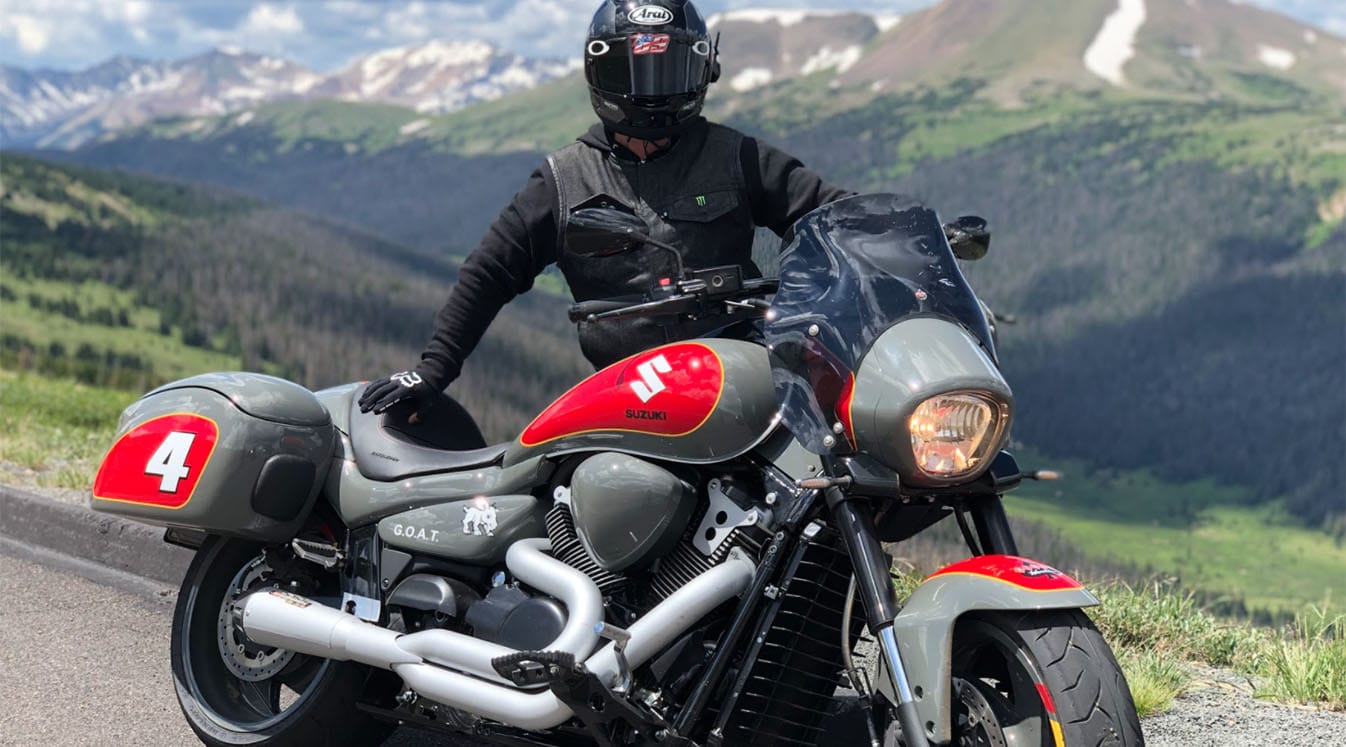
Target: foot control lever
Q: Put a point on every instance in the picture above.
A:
(531, 668)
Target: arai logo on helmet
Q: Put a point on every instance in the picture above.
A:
(650, 15)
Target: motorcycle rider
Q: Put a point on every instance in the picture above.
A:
(697, 185)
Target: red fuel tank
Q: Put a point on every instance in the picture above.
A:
(701, 401)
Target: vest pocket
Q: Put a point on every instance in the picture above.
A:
(701, 208)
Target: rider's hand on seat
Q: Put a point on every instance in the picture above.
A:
(403, 386)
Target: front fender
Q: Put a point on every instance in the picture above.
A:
(926, 623)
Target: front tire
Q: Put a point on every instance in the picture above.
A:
(1039, 678)
(233, 692)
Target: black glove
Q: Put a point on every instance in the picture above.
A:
(383, 393)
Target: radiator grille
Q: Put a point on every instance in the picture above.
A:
(787, 690)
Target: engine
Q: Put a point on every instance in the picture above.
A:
(628, 522)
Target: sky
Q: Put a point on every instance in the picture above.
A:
(326, 34)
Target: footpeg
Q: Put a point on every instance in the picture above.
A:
(531, 668)
(327, 555)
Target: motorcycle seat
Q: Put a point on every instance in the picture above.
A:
(387, 447)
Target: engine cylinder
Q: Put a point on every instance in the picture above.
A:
(628, 511)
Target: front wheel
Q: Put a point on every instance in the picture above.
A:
(234, 692)
(1039, 678)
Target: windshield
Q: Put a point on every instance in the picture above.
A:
(855, 268)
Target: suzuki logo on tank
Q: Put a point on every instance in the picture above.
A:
(650, 383)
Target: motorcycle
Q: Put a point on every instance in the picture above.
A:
(670, 553)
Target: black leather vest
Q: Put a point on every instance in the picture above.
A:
(694, 197)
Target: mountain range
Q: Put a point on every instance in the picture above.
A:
(50, 108)
(1181, 48)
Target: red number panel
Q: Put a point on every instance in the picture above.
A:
(159, 462)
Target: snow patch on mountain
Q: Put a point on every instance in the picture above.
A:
(414, 126)
(1275, 57)
(750, 78)
(825, 58)
(1115, 42)
(886, 21)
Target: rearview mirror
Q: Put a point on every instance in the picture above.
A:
(968, 237)
(603, 231)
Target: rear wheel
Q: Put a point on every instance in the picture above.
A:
(234, 692)
(1039, 678)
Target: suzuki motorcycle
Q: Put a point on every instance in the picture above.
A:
(681, 550)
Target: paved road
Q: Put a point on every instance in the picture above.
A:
(84, 657)
(85, 663)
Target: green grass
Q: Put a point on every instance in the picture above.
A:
(1203, 534)
(1308, 665)
(1153, 629)
(1155, 680)
(53, 432)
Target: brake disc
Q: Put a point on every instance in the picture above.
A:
(976, 724)
(245, 659)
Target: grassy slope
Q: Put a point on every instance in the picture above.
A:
(53, 432)
(1200, 533)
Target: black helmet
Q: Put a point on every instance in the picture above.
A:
(648, 63)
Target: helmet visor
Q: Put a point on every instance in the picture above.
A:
(647, 64)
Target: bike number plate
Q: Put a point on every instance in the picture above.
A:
(159, 462)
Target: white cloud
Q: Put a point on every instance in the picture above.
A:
(30, 33)
(268, 20)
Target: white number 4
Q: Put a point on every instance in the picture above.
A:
(170, 460)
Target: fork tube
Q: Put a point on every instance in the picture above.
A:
(993, 529)
(855, 521)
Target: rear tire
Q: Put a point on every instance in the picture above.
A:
(235, 693)
(1048, 678)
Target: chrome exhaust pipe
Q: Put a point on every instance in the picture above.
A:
(338, 636)
(292, 622)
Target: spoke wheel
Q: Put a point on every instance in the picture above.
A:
(236, 692)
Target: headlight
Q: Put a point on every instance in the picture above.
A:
(952, 434)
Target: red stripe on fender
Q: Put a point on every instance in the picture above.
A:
(1022, 572)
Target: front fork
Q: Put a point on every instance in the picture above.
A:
(855, 521)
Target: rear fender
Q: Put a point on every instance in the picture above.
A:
(926, 623)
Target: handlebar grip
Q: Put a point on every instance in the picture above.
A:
(582, 310)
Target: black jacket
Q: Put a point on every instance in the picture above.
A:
(524, 240)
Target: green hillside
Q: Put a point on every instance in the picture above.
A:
(129, 282)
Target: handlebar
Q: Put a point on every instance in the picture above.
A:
(691, 297)
(584, 309)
